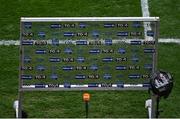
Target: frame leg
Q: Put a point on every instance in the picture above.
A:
(20, 105)
(153, 106)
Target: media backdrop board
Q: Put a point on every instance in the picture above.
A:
(87, 53)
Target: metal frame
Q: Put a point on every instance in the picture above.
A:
(70, 19)
(58, 19)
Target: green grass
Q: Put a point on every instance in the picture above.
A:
(70, 104)
(11, 11)
(168, 11)
(8, 79)
(169, 61)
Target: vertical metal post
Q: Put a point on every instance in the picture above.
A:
(154, 97)
(153, 106)
(20, 81)
(86, 98)
(20, 105)
(86, 107)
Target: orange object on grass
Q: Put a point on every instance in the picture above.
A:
(86, 97)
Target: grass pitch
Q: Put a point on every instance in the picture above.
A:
(69, 104)
(168, 11)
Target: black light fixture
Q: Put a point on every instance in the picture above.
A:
(162, 83)
(161, 86)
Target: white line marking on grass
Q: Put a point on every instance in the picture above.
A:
(9, 42)
(168, 40)
(145, 13)
(160, 40)
(145, 8)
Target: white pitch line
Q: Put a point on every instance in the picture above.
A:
(145, 13)
(168, 40)
(9, 42)
(145, 8)
(160, 40)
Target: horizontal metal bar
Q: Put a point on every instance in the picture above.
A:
(45, 87)
(59, 19)
(83, 89)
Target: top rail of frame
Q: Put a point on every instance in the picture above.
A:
(58, 19)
